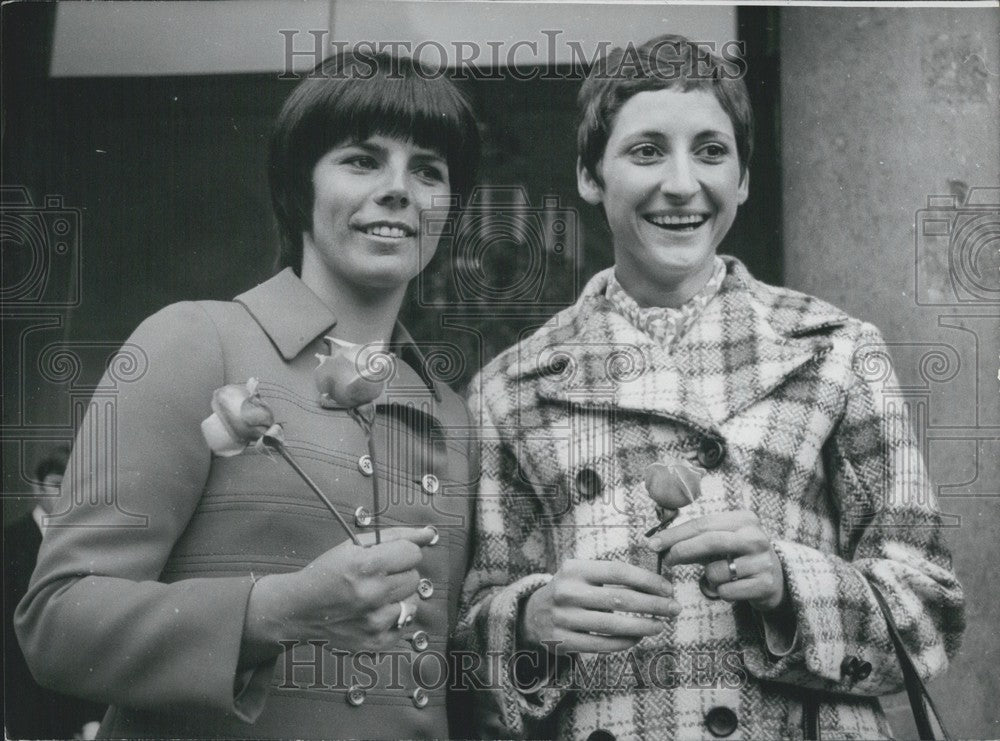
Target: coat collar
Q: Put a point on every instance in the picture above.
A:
(750, 338)
(292, 316)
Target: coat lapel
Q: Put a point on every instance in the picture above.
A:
(596, 358)
(741, 349)
(735, 356)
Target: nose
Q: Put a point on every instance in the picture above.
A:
(677, 179)
(394, 189)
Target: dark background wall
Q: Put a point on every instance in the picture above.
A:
(882, 110)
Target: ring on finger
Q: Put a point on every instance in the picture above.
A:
(406, 612)
(733, 575)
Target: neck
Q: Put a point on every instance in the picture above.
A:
(648, 292)
(364, 314)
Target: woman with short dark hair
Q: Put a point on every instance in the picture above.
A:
(239, 608)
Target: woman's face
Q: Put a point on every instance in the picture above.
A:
(671, 188)
(367, 200)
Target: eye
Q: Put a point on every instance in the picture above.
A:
(432, 173)
(713, 152)
(644, 152)
(361, 161)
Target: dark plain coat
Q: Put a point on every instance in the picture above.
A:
(141, 589)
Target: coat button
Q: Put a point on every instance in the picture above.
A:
(706, 589)
(430, 484)
(855, 669)
(601, 735)
(355, 696)
(420, 641)
(362, 517)
(849, 666)
(721, 721)
(365, 465)
(588, 483)
(711, 452)
(419, 697)
(425, 588)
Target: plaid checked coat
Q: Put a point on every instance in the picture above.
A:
(794, 390)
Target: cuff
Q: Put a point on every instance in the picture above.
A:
(250, 685)
(780, 636)
(516, 702)
(815, 582)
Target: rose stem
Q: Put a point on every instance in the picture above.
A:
(275, 443)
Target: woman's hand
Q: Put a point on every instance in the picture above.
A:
(725, 542)
(349, 596)
(582, 608)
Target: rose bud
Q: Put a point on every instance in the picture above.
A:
(351, 375)
(239, 418)
(673, 485)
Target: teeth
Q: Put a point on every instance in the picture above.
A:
(677, 220)
(381, 230)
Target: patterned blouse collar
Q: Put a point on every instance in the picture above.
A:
(664, 324)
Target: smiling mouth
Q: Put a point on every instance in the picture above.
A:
(678, 223)
(389, 230)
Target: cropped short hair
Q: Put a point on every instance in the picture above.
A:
(352, 96)
(666, 62)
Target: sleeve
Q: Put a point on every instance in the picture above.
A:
(890, 535)
(96, 622)
(512, 556)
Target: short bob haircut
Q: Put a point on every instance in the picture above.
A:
(350, 97)
(665, 62)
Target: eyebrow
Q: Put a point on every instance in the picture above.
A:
(419, 152)
(656, 134)
(715, 133)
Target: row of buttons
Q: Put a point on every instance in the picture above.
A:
(711, 453)
(425, 587)
(356, 696)
(428, 482)
(720, 722)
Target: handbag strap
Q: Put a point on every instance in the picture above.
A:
(920, 698)
(916, 690)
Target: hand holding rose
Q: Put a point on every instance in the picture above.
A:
(348, 597)
(740, 564)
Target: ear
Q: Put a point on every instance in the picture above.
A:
(744, 188)
(589, 189)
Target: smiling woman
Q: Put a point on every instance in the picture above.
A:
(367, 205)
(181, 626)
(670, 181)
(739, 420)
